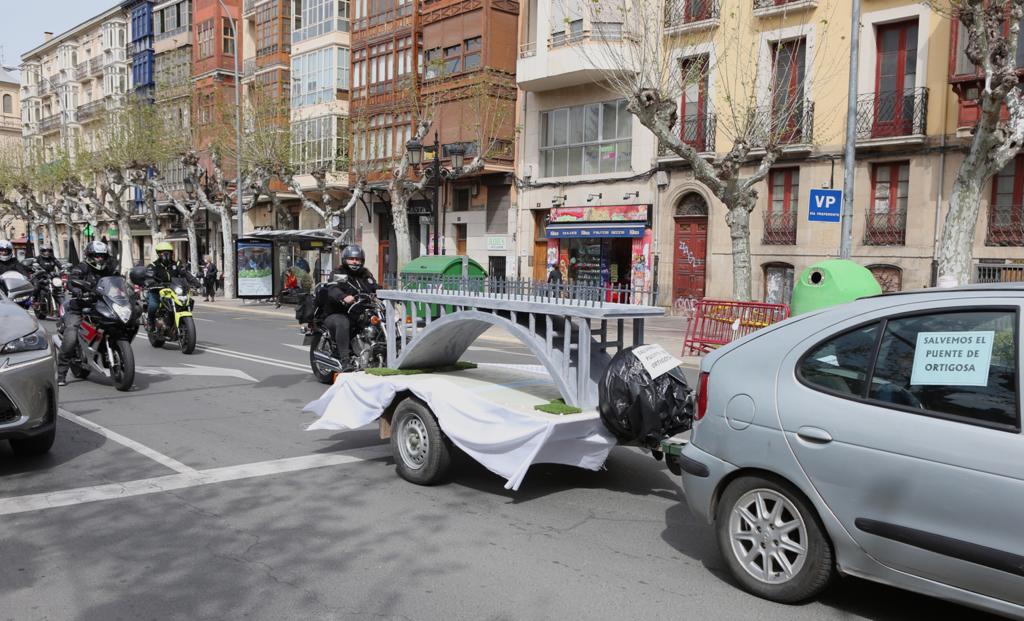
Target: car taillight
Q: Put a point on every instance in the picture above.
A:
(702, 396)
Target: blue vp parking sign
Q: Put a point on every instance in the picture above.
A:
(825, 205)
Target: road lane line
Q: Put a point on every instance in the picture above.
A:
(142, 449)
(294, 366)
(154, 485)
(201, 319)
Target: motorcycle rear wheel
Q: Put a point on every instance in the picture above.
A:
(154, 339)
(123, 372)
(187, 335)
(80, 372)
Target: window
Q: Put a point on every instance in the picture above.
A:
(567, 22)
(471, 59)
(452, 59)
(887, 218)
(959, 365)
(204, 37)
(895, 80)
(461, 199)
(317, 76)
(314, 18)
(1005, 212)
(788, 91)
(268, 29)
(778, 283)
(319, 144)
(433, 64)
(229, 38)
(585, 140)
(889, 277)
(693, 122)
(841, 364)
(498, 203)
(8, 104)
(783, 199)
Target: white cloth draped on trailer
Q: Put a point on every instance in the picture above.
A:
(506, 437)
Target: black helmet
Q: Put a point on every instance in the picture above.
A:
(6, 250)
(46, 251)
(97, 255)
(352, 252)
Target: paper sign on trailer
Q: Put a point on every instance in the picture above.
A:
(952, 358)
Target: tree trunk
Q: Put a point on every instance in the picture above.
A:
(51, 231)
(738, 218)
(229, 254)
(400, 220)
(193, 242)
(957, 247)
(124, 235)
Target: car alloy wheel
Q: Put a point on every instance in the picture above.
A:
(768, 536)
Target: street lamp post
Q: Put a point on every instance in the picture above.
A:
(458, 153)
(238, 120)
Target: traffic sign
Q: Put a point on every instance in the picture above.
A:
(825, 205)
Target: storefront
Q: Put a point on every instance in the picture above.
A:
(609, 245)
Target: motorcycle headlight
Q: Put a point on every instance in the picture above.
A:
(30, 342)
(57, 282)
(179, 291)
(124, 312)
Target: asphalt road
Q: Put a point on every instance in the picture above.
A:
(199, 495)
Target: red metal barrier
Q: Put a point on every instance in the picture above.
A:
(717, 322)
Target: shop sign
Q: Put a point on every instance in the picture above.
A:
(595, 231)
(497, 243)
(609, 213)
(420, 208)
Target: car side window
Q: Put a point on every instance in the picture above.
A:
(842, 363)
(958, 364)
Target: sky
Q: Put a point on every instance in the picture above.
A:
(24, 22)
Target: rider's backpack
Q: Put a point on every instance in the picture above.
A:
(305, 310)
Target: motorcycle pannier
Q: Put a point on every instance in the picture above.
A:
(305, 309)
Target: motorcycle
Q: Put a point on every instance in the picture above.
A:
(367, 343)
(105, 335)
(49, 292)
(17, 288)
(174, 320)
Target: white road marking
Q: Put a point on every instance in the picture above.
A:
(154, 485)
(298, 347)
(201, 319)
(194, 369)
(142, 449)
(294, 366)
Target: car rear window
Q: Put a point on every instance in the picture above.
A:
(959, 364)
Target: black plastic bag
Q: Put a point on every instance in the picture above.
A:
(305, 309)
(640, 410)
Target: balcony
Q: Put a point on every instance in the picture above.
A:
(791, 127)
(526, 50)
(697, 130)
(779, 228)
(886, 228)
(566, 59)
(91, 110)
(50, 123)
(82, 71)
(686, 16)
(997, 272)
(96, 65)
(773, 8)
(892, 118)
(1005, 225)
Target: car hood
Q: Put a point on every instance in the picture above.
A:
(14, 322)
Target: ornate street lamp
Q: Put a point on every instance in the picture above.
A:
(415, 150)
(458, 153)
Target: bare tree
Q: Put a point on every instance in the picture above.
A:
(755, 113)
(990, 28)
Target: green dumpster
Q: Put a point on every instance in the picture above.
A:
(832, 282)
(433, 272)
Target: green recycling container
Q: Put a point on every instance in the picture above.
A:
(444, 271)
(831, 282)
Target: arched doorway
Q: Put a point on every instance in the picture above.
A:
(691, 247)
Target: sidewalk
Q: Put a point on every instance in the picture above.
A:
(668, 331)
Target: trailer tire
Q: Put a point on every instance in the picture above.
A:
(422, 453)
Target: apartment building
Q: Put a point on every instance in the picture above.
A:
(140, 35)
(10, 113)
(912, 130)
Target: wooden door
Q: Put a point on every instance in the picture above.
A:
(460, 239)
(540, 246)
(691, 247)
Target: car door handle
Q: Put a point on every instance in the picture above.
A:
(814, 435)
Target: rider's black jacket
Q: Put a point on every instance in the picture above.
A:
(162, 274)
(85, 274)
(48, 264)
(349, 283)
(14, 265)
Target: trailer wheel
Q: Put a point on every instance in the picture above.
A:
(423, 455)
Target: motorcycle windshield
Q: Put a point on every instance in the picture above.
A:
(114, 289)
(179, 285)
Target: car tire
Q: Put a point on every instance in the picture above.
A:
(772, 540)
(422, 453)
(36, 445)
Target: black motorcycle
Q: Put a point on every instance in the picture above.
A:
(109, 323)
(49, 292)
(367, 343)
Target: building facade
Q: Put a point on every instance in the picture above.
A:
(912, 131)
(140, 35)
(10, 113)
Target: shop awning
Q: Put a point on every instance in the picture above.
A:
(593, 230)
(298, 235)
(183, 237)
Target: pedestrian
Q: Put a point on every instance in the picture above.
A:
(554, 280)
(316, 269)
(208, 274)
(291, 285)
(302, 264)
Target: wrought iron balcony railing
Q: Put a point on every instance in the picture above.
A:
(786, 125)
(91, 109)
(681, 13)
(887, 228)
(82, 70)
(997, 272)
(50, 122)
(697, 130)
(892, 115)
(1005, 225)
(779, 4)
(96, 65)
(779, 228)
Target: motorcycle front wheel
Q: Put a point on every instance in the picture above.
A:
(123, 372)
(43, 308)
(187, 335)
(322, 345)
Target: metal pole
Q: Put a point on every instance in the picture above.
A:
(238, 121)
(437, 195)
(849, 155)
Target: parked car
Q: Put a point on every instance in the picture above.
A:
(28, 382)
(878, 439)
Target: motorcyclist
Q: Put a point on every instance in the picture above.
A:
(82, 280)
(163, 269)
(348, 280)
(9, 262)
(48, 266)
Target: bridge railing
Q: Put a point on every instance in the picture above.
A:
(571, 293)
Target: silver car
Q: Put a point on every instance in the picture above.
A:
(28, 382)
(878, 439)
